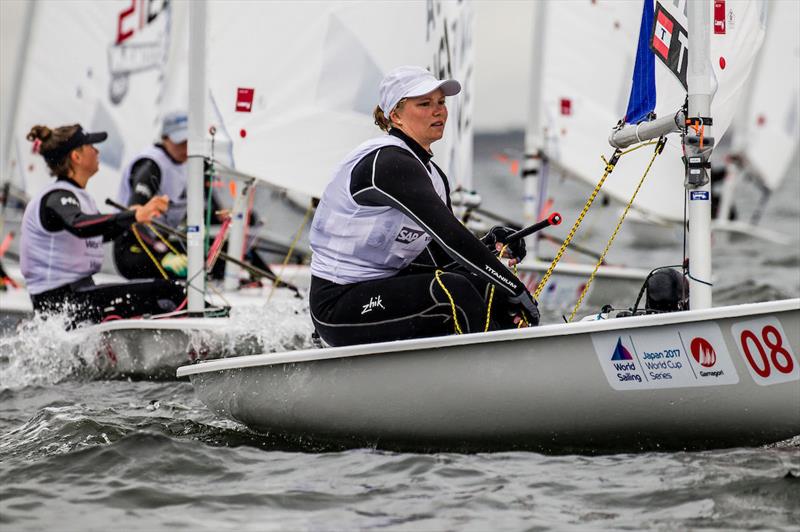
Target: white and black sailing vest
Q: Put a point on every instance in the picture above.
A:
(353, 243)
(53, 259)
(173, 184)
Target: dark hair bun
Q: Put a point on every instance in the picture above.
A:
(39, 132)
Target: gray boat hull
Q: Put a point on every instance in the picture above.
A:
(543, 389)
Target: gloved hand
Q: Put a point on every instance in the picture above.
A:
(175, 263)
(527, 306)
(499, 234)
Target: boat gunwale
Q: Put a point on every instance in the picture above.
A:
(553, 330)
(187, 323)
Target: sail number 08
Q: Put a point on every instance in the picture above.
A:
(778, 357)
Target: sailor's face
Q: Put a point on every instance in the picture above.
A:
(422, 118)
(87, 159)
(182, 152)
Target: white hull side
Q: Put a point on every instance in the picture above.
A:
(152, 349)
(539, 389)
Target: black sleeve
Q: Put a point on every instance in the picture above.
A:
(60, 209)
(394, 178)
(145, 181)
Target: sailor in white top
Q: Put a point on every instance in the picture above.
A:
(63, 234)
(384, 226)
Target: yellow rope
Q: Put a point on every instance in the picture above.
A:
(277, 280)
(489, 309)
(452, 303)
(522, 322)
(164, 240)
(642, 145)
(149, 253)
(609, 168)
(585, 290)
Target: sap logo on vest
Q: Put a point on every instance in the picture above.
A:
(408, 235)
(70, 200)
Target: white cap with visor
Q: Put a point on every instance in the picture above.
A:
(409, 82)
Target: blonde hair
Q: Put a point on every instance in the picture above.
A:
(381, 120)
(50, 139)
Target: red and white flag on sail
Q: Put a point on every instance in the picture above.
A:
(662, 34)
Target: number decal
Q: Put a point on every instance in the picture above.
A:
(766, 351)
(776, 348)
(746, 339)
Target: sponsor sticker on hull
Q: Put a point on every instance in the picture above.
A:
(670, 357)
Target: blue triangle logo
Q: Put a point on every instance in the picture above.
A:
(620, 352)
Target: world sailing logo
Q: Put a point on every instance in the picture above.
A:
(624, 365)
(621, 352)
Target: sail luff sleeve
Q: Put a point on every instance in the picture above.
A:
(642, 98)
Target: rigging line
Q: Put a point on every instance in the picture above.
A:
(693, 278)
(291, 248)
(219, 293)
(659, 148)
(522, 321)
(609, 168)
(163, 239)
(457, 327)
(149, 253)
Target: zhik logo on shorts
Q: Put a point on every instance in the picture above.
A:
(374, 302)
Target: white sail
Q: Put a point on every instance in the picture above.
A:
(591, 49)
(772, 126)
(293, 85)
(99, 64)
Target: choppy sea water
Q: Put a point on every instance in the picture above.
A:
(77, 453)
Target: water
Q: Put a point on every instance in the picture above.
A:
(83, 454)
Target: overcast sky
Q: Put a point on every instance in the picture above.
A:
(502, 50)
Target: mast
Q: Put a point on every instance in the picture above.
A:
(534, 166)
(19, 70)
(698, 145)
(195, 229)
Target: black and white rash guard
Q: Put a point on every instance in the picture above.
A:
(63, 234)
(387, 204)
(151, 173)
(60, 209)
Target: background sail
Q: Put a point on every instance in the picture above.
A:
(99, 64)
(587, 80)
(771, 139)
(293, 85)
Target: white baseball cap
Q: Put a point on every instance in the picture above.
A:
(411, 81)
(175, 127)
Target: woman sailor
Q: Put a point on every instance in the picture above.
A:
(63, 234)
(390, 260)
